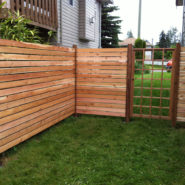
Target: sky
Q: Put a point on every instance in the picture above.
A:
(157, 15)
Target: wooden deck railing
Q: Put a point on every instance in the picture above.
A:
(42, 13)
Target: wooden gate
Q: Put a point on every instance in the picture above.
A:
(152, 83)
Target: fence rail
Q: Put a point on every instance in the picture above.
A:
(42, 13)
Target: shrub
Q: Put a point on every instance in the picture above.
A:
(138, 65)
(139, 43)
(15, 28)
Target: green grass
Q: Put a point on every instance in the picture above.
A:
(92, 150)
(156, 83)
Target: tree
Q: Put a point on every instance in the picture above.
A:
(110, 26)
(174, 36)
(162, 40)
(130, 34)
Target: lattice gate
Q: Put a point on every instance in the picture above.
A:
(152, 83)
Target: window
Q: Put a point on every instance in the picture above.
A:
(71, 2)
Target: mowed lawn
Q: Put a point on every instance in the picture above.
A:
(156, 93)
(95, 150)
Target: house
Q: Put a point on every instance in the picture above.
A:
(126, 42)
(77, 22)
(182, 3)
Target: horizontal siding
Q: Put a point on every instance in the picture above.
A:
(69, 29)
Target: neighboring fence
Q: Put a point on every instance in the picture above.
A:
(36, 89)
(101, 81)
(181, 92)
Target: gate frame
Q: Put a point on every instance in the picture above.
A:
(174, 82)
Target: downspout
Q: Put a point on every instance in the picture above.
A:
(100, 22)
(183, 25)
(60, 22)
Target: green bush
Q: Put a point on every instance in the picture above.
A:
(138, 65)
(15, 28)
(139, 43)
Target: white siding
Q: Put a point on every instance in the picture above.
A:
(68, 32)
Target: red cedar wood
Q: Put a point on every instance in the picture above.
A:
(152, 88)
(75, 48)
(175, 84)
(129, 79)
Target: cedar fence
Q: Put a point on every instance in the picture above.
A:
(42, 85)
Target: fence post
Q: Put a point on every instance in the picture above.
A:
(75, 65)
(129, 81)
(175, 84)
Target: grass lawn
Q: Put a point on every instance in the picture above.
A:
(99, 151)
(156, 83)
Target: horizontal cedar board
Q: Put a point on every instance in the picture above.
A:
(181, 114)
(19, 83)
(97, 63)
(34, 92)
(101, 80)
(102, 59)
(28, 135)
(89, 50)
(99, 54)
(34, 57)
(101, 109)
(34, 63)
(84, 67)
(181, 119)
(181, 106)
(106, 89)
(100, 100)
(31, 117)
(33, 46)
(35, 69)
(9, 128)
(101, 113)
(96, 71)
(14, 77)
(32, 127)
(105, 105)
(6, 92)
(7, 119)
(123, 76)
(183, 49)
(110, 97)
(103, 84)
(35, 103)
(117, 93)
(34, 51)
(33, 98)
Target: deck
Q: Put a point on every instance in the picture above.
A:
(42, 13)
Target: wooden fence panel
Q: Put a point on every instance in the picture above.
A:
(102, 81)
(181, 91)
(36, 89)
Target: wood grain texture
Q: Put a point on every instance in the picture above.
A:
(181, 89)
(101, 81)
(36, 89)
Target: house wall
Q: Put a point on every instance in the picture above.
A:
(69, 28)
(183, 27)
